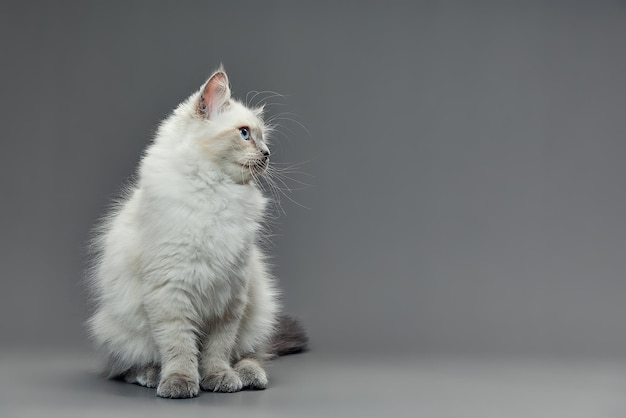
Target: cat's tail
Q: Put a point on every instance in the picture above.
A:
(289, 337)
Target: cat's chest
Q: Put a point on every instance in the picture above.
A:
(218, 228)
(210, 234)
(219, 243)
(225, 233)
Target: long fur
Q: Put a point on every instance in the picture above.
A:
(289, 338)
(182, 294)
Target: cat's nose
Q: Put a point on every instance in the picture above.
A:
(266, 153)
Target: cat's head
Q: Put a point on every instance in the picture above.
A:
(229, 134)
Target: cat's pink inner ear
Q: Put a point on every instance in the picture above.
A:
(215, 95)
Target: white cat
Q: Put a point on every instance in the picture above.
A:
(182, 293)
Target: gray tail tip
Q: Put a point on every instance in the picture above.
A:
(289, 337)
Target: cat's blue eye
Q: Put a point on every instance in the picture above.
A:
(245, 133)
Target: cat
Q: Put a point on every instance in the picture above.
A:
(182, 294)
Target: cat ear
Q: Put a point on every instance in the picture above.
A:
(215, 94)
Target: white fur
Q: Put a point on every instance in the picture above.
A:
(179, 280)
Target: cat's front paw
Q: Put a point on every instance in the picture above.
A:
(252, 374)
(177, 386)
(222, 381)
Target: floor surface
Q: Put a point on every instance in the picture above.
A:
(314, 385)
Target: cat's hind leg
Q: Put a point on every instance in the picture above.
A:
(146, 375)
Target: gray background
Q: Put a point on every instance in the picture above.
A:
(466, 162)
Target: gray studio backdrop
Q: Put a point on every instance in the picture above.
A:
(466, 161)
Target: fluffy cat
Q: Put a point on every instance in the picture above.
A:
(182, 293)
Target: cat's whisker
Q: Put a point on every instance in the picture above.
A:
(277, 130)
(249, 103)
(275, 194)
(268, 104)
(289, 166)
(290, 199)
(288, 175)
(283, 183)
(273, 179)
(292, 175)
(259, 183)
(248, 94)
(294, 121)
(272, 95)
(288, 137)
(277, 197)
(287, 178)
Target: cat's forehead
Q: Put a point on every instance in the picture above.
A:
(240, 115)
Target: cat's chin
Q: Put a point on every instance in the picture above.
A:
(256, 168)
(245, 173)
